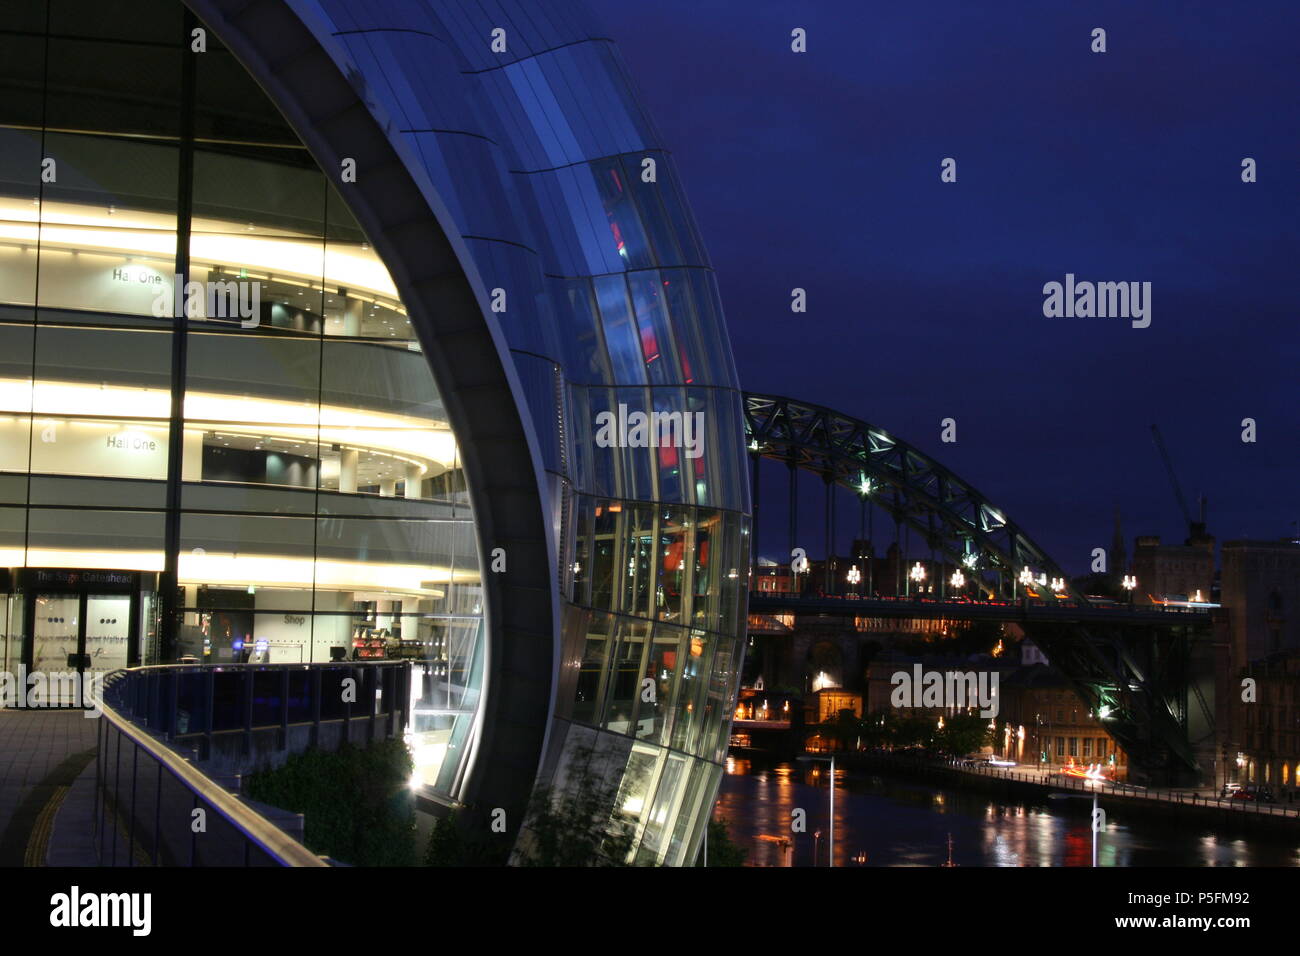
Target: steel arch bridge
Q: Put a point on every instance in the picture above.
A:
(1144, 676)
(952, 516)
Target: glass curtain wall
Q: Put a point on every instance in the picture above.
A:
(264, 433)
(660, 554)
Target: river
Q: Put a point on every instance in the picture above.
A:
(900, 823)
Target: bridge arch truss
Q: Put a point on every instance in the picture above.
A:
(951, 515)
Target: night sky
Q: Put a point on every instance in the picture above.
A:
(822, 170)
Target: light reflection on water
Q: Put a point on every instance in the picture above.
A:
(901, 823)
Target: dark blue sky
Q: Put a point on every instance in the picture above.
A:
(821, 170)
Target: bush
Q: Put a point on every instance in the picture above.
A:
(357, 802)
(455, 842)
(723, 851)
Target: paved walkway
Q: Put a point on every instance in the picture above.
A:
(47, 766)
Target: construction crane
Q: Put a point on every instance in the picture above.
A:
(1195, 529)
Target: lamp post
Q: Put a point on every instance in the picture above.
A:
(830, 835)
(1092, 822)
(854, 577)
(917, 574)
(1129, 583)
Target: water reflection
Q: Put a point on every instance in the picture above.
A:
(888, 822)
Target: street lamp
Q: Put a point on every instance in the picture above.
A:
(1129, 583)
(958, 579)
(917, 574)
(830, 836)
(1092, 822)
(854, 576)
(1026, 578)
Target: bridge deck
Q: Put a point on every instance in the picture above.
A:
(761, 602)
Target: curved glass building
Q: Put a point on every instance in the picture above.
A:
(334, 330)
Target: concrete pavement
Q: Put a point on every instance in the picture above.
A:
(47, 767)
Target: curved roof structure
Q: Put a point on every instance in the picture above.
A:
(535, 231)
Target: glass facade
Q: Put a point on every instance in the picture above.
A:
(275, 450)
(620, 316)
(281, 477)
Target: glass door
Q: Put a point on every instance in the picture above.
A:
(56, 634)
(13, 635)
(107, 634)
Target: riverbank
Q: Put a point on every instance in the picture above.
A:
(1222, 815)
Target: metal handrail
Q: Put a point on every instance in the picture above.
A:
(138, 694)
(1169, 796)
(143, 712)
(1105, 786)
(255, 828)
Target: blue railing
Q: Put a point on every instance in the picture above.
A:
(192, 705)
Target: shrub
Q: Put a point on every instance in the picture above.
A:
(357, 802)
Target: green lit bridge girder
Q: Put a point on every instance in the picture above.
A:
(914, 489)
(1141, 670)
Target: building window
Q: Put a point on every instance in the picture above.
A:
(321, 508)
(1087, 746)
(1060, 746)
(1074, 746)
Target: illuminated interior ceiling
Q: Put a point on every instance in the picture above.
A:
(406, 437)
(268, 570)
(289, 265)
(72, 227)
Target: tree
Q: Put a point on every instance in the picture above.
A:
(723, 851)
(912, 730)
(848, 728)
(963, 734)
(455, 842)
(875, 729)
(581, 826)
(979, 638)
(839, 733)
